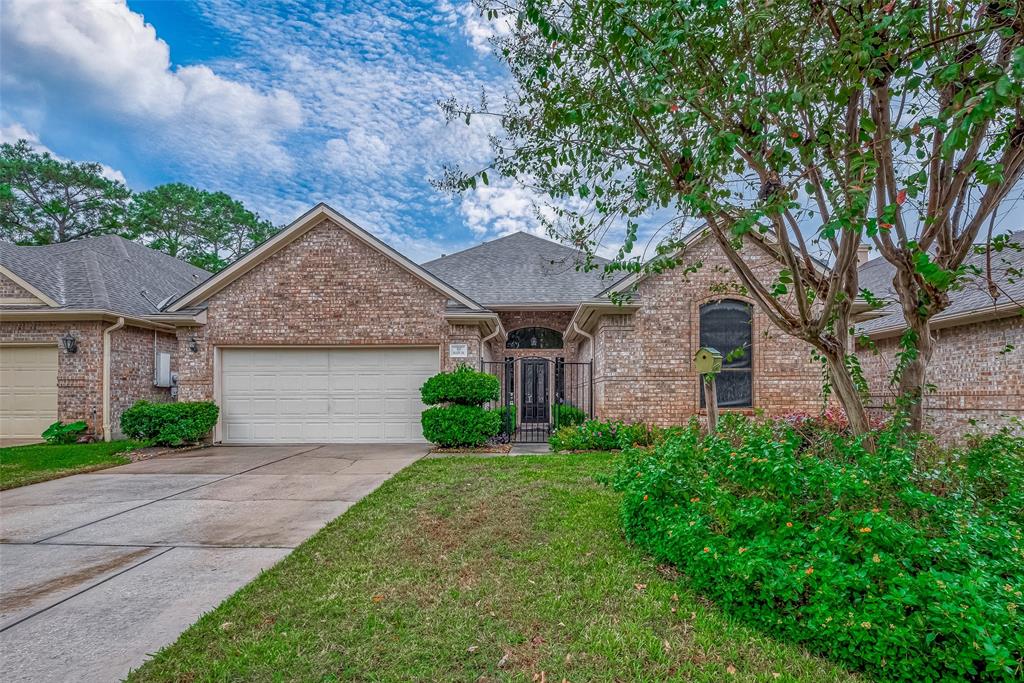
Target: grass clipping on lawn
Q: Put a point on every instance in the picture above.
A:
(469, 569)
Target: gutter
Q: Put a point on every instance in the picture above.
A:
(587, 335)
(939, 322)
(106, 376)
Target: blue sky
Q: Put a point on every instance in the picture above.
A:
(280, 104)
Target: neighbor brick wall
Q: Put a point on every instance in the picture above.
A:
(325, 288)
(80, 374)
(131, 369)
(644, 360)
(9, 289)
(973, 380)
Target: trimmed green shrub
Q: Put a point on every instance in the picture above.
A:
(567, 415)
(847, 552)
(463, 386)
(592, 435)
(60, 433)
(169, 424)
(460, 425)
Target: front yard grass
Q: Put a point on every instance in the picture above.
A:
(477, 569)
(21, 465)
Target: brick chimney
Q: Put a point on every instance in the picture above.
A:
(863, 254)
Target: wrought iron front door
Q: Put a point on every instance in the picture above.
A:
(535, 389)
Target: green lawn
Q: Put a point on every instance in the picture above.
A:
(20, 465)
(477, 569)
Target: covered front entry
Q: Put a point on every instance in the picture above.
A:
(539, 395)
(324, 395)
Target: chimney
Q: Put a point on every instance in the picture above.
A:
(863, 254)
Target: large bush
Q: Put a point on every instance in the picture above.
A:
(458, 417)
(912, 573)
(457, 425)
(169, 424)
(464, 386)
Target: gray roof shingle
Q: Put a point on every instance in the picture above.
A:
(876, 276)
(106, 272)
(520, 269)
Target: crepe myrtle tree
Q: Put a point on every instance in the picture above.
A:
(798, 128)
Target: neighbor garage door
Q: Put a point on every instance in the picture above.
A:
(324, 395)
(28, 390)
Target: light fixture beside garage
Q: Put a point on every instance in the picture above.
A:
(69, 342)
(193, 344)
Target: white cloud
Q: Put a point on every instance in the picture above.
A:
(480, 30)
(103, 56)
(14, 132)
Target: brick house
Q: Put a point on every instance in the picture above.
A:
(976, 370)
(77, 336)
(324, 333)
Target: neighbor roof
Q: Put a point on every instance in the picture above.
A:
(973, 299)
(521, 269)
(101, 273)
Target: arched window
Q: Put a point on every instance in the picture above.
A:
(727, 327)
(534, 338)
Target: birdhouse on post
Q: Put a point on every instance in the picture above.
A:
(708, 363)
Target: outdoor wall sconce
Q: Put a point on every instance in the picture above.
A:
(193, 344)
(69, 342)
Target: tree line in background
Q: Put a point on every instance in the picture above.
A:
(796, 130)
(44, 200)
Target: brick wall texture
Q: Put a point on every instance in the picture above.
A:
(643, 362)
(80, 374)
(325, 288)
(979, 385)
(9, 289)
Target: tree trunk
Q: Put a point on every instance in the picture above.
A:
(846, 392)
(913, 381)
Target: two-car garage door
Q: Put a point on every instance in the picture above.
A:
(295, 395)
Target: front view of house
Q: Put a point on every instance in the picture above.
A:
(325, 334)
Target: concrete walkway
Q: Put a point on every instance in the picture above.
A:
(97, 571)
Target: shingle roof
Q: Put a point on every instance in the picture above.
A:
(876, 276)
(106, 272)
(520, 269)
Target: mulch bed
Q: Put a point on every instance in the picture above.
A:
(153, 451)
(489, 448)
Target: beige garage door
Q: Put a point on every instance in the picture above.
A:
(324, 395)
(28, 390)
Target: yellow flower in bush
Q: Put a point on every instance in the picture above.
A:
(865, 530)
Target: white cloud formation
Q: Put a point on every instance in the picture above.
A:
(478, 29)
(14, 132)
(103, 56)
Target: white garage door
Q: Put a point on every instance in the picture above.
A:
(28, 390)
(324, 395)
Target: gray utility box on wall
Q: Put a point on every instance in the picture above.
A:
(162, 374)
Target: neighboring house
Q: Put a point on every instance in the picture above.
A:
(77, 338)
(977, 367)
(324, 333)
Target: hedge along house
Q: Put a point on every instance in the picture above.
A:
(78, 340)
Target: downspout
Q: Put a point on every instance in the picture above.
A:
(486, 339)
(106, 376)
(576, 328)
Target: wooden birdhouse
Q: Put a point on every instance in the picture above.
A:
(707, 360)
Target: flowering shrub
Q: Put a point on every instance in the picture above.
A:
(848, 556)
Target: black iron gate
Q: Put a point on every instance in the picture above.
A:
(539, 395)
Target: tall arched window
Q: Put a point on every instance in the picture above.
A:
(534, 338)
(727, 327)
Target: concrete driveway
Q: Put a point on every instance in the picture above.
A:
(97, 571)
